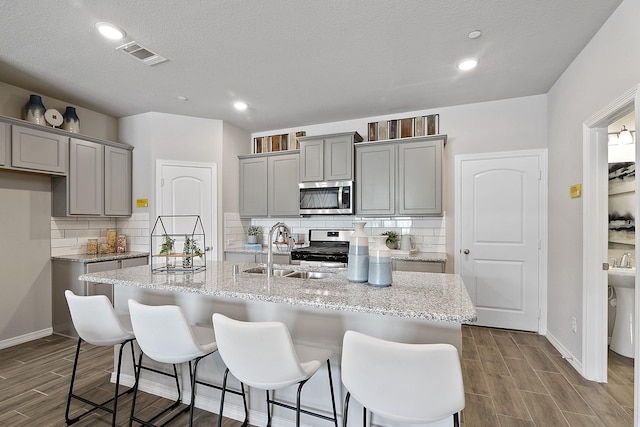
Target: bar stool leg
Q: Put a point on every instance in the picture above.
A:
(333, 397)
(73, 378)
(345, 414)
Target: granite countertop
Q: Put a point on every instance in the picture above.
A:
(98, 258)
(395, 255)
(429, 296)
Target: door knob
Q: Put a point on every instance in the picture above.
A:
(466, 251)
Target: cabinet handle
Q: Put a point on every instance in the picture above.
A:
(466, 251)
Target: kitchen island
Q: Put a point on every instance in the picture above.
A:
(417, 308)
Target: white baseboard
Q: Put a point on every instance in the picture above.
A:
(25, 338)
(577, 365)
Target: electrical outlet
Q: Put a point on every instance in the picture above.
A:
(574, 325)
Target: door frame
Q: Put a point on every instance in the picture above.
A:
(542, 215)
(595, 239)
(214, 241)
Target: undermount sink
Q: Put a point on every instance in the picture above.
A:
(290, 273)
(622, 277)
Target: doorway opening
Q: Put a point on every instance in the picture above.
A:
(596, 237)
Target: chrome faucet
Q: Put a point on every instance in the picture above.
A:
(270, 247)
(625, 261)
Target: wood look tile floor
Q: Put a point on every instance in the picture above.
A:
(511, 379)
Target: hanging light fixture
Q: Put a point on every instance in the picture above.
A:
(625, 137)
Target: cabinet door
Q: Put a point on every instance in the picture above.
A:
(38, 150)
(283, 188)
(253, 187)
(101, 288)
(419, 266)
(85, 178)
(420, 178)
(117, 181)
(134, 262)
(338, 159)
(312, 160)
(375, 180)
(4, 142)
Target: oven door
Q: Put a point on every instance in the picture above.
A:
(329, 198)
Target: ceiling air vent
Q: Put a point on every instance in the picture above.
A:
(141, 53)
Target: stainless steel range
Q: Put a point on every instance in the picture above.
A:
(330, 247)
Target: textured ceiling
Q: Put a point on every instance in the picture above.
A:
(295, 62)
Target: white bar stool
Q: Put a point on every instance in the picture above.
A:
(164, 335)
(97, 323)
(409, 383)
(262, 355)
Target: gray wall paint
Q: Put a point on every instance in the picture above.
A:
(606, 68)
(25, 287)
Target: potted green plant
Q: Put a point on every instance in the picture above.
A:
(392, 239)
(190, 251)
(252, 234)
(166, 249)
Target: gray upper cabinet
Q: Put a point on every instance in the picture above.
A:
(283, 185)
(85, 179)
(269, 185)
(117, 181)
(420, 178)
(375, 179)
(327, 157)
(401, 177)
(38, 150)
(253, 186)
(98, 183)
(5, 138)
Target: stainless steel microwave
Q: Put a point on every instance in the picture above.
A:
(326, 198)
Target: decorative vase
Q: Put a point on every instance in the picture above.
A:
(380, 263)
(71, 122)
(358, 263)
(34, 110)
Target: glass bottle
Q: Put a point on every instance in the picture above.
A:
(358, 263)
(380, 263)
(121, 246)
(92, 246)
(111, 240)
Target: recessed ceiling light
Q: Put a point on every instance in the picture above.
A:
(110, 31)
(467, 64)
(182, 98)
(240, 106)
(475, 34)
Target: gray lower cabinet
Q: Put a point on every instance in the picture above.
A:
(64, 275)
(38, 150)
(269, 185)
(400, 177)
(257, 257)
(418, 266)
(327, 157)
(98, 183)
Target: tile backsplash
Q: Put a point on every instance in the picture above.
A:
(69, 235)
(428, 233)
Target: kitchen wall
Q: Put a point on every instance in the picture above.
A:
(602, 72)
(160, 136)
(505, 125)
(428, 233)
(25, 226)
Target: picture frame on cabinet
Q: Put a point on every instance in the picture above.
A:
(406, 127)
(383, 130)
(373, 131)
(394, 132)
(418, 123)
(432, 122)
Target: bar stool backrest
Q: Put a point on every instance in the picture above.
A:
(411, 383)
(259, 354)
(95, 320)
(163, 333)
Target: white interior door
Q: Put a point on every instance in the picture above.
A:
(499, 242)
(189, 189)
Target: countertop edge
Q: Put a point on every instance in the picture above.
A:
(87, 259)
